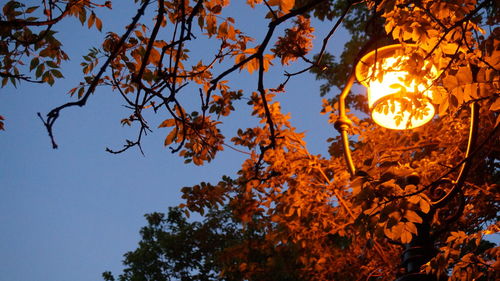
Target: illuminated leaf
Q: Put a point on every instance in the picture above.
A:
(425, 207)
(495, 106)
(211, 24)
(170, 137)
(167, 123)
(98, 24)
(31, 9)
(410, 227)
(91, 20)
(286, 5)
(464, 75)
(406, 237)
(412, 216)
(449, 48)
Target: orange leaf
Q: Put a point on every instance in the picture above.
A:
(170, 137)
(98, 23)
(406, 237)
(167, 123)
(412, 216)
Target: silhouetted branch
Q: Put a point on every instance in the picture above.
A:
(54, 113)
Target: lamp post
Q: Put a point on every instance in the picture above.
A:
(399, 101)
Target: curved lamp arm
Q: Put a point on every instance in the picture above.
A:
(464, 169)
(343, 124)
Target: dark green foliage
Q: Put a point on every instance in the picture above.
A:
(172, 248)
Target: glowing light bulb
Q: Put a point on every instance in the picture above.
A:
(396, 100)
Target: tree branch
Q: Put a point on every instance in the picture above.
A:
(54, 113)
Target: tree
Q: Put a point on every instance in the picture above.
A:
(173, 248)
(338, 226)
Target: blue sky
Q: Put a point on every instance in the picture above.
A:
(71, 213)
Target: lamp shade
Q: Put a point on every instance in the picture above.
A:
(396, 100)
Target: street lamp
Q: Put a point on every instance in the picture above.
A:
(395, 98)
(399, 101)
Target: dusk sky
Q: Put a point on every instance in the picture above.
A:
(71, 213)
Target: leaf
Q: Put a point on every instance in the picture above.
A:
(52, 64)
(57, 73)
(286, 5)
(450, 81)
(406, 237)
(126, 121)
(252, 65)
(80, 92)
(389, 233)
(34, 63)
(138, 33)
(82, 15)
(170, 137)
(31, 9)
(211, 24)
(443, 108)
(167, 123)
(273, 2)
(464, 75)
(201, 21)
(216, 9)
(389, 25)
(411, 227)
(72, 91)
(48, 77)
(98, 23)
(154, 56)
(51, 79)
(223, 28)
(412, 216)
(425, 207)
(495, 106)
(414, 199)
(39, 70)
(91, 20)
(449, 48)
